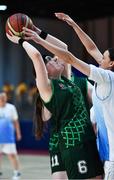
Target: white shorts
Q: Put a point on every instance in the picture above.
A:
(8, 148)
(109, 170)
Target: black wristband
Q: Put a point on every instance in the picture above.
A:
(20, 41)
(43, 34)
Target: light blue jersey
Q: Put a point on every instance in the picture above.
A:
(8, 114)
(102, 136)
(7, 131)
(103, 104)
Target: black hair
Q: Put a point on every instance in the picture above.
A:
(39, 126)
(111, 53)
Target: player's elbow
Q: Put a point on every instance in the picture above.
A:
(67, 56)
(92, 48)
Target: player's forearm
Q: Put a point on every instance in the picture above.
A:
(80, 65)
(61, 53)
(43, 82)
(50, 38)
(85, 39)
(56, 41)
(67, 57)
(88, 43)
(32, 52)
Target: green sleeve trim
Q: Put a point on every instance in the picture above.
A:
(52, 86)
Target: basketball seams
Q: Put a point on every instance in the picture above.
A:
(30, 24)
(16, 22)
(22, 22)
(27, 21)
(11, 28)
(18, 16)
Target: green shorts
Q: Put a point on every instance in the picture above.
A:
(56, 162)
(80, 162)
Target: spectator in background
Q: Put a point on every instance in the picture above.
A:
(21, 91)
(21, 101)
(8, 127)
(32, 89)
(9, 90)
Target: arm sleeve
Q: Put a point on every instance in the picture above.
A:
(98, 75)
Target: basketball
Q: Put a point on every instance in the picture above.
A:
(16, 22)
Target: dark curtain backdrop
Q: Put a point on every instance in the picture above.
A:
(15, 66)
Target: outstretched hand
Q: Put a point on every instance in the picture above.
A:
(12, 37)
(65, 17)
(31, 35)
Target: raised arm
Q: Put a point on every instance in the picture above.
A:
(50, 38)
(43, 83)
(61, 53)
(85, 39)
(55, 41)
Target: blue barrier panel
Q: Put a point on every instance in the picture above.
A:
(28, 141)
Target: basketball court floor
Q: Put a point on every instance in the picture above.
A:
(33, 167)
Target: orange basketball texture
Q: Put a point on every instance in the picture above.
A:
(16, 22)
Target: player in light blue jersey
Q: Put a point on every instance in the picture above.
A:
(103, 91)
(99, 125)
(103, 77)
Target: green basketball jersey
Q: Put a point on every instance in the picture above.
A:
(70, 123)
(81, 82)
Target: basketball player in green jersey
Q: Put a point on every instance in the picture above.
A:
(85, 87)
(71, 131)
(58, 169)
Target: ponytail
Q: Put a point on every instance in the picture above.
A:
(38, 123)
